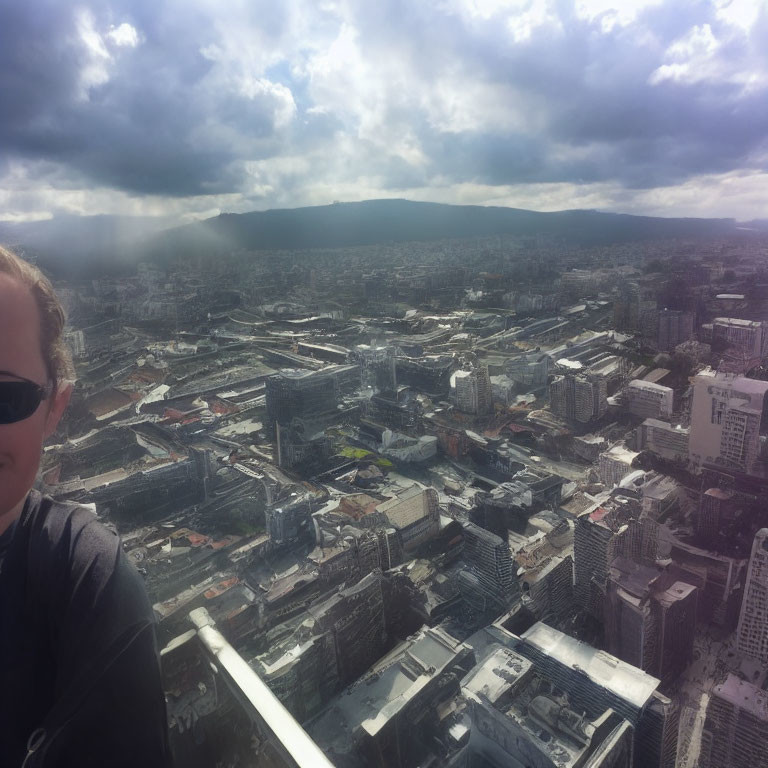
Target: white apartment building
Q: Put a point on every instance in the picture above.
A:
(747, 336)
(615, 464)
(725, 420)
(578, 397)
(473, 391)
(649, 400)
(669, 441)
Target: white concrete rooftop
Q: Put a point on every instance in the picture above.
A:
(622, 679)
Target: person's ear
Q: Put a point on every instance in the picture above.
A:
(58, 404)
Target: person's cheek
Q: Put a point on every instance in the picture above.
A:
(24, 443)
(19, 460)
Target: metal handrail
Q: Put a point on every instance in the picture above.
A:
(282, 726)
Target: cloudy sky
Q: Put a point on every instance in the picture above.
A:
(195, 107)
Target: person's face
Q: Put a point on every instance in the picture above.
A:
(21, 357)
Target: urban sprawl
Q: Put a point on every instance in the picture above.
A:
(491, 502)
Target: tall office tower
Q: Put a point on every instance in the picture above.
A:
(613, 527)
(725, 421)
(299, 404)
(626, 308)
(431, 375)
(650, 618)
(473, 391)
(377, 364)
(649, 400)
(295, 394)
(752, 633)
(735, 727)
(591, 398)
(578, 397)
(490, 559)
(561, 397)
(749, 337)
(649, 320)
(675, 327)
(715, 507)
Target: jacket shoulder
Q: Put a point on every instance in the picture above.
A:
(67, 533)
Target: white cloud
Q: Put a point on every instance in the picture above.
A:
(700, 56)
(740, 13)
(279, 97)
(124, 36)
(612, 13)
(691, 56)
(530, 17)
(95, 72)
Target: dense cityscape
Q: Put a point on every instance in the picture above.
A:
(492, 501)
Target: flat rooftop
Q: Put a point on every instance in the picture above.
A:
(622, 679)
(744, 695)
(374, 700)
(737, 321)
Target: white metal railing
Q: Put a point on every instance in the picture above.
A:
(281, 728)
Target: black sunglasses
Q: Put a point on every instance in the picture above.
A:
(20, 399)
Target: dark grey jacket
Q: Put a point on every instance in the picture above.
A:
(80, 677)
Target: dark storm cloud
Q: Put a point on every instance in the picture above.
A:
(528, 94)
(150, 127)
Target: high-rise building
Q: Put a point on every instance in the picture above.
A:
(752, 633)
(473, 391)
(613, 527)
(521, 717)
(431, 375)
(675, 327)
(650, 618)
(377, 364)
(594, 679)
(715, 506)
(669, 441)
(490, 560)
(578, 396)
(414, 513)
(720, 579)
(626, 307)
(615, 464)
(293, 394)
(749, 337)
(725, 421)
(735, 727)
(649, 320)
(649, 400)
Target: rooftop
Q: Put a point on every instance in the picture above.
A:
(622, 679)
(737, 321)
(744, 695)
(648, 385)
(378, 697)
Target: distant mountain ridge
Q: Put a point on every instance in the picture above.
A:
(104, 241)
(391, 220)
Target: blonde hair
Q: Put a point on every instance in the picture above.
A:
(56, 355)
